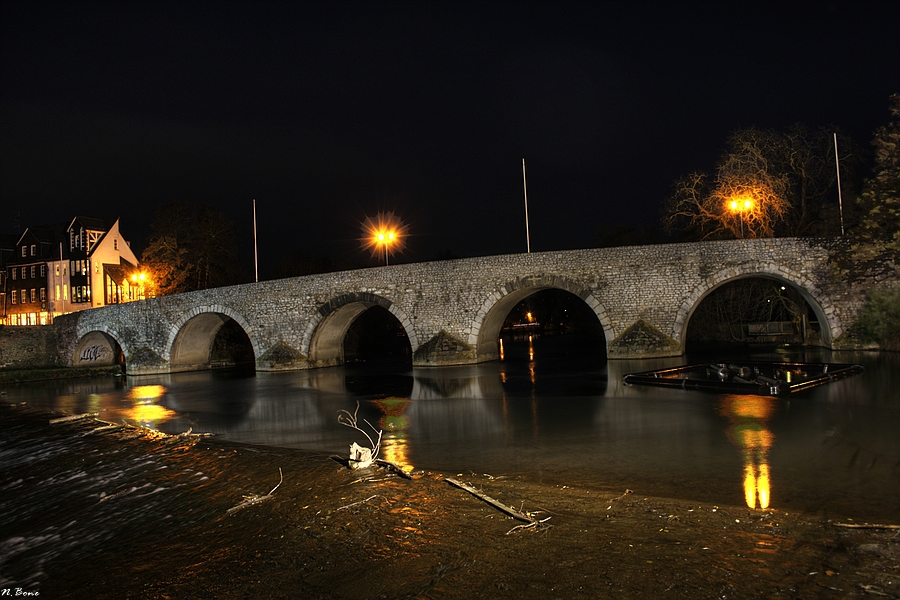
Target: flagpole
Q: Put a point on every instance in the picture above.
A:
(837, 167)
(255, 255)
(525, 189)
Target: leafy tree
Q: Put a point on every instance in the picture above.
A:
(879, 319)
(191, 248)
(878, 232)
(766, 184)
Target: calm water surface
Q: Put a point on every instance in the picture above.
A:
(833, 450)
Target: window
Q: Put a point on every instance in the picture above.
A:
(43, 270)
(65, 291)
(24, 297)
(58, 297)
(24, 252)
(57, 269)
(24, 273)
(33, 250)
(33, 271)
(115, 244)
(13, 296)
(13, 274)
(33, 295)
(43, 294)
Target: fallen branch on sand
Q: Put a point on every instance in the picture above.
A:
(362, 501)
(252, 499)
(514, 513)
(865, 526)
(73, 418)
(360, 457)
(393, 467)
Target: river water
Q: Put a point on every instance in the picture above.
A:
(832, 450)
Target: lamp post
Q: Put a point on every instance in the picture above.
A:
(385, 238)
(739, 205)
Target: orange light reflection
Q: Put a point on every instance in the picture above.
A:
(748, 416)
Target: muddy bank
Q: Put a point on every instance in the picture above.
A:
(120, 513)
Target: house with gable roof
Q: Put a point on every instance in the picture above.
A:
(66, 267)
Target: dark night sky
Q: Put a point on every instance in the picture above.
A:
(329, 112)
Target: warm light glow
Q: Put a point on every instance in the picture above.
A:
(383, 235)
(148, 415)
(394, 423)
(741, 204)
(146, 393)
(748, 415)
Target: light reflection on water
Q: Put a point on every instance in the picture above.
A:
(571, 421)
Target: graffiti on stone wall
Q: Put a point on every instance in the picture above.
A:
(94, 353)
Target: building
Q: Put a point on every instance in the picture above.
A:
(67, 267)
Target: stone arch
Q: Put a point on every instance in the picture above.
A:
(489, 319)
(192, 335)
(323, 339)
(98, 346)
(821, 305)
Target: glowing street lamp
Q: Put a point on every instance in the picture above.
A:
(138, 279)
(384, 234)
(739, 205)
(385, 238)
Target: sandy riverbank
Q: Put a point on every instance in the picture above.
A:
(328, 532)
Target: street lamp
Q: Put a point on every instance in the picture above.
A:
(739, 205)
(385, 238)
(383, 234)
(138, 280)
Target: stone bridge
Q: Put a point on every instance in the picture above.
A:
(452, 311)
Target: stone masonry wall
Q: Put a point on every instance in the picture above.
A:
(445, 305)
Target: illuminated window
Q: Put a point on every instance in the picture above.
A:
(43, 294)
(57, 269)
(65, 291)
(58, 297)
(24, 297)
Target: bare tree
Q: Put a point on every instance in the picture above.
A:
(766, 184)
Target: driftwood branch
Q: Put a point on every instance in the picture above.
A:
(865, 526)
(73, 418)
(514, 513)
(393, 467)
(362, 501)
(252, 499)
(348, 420)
